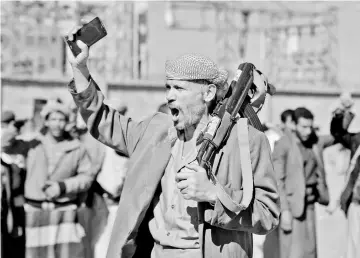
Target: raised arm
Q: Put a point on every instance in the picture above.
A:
(104, 123)
(338, 132)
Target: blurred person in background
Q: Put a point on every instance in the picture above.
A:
(58, 171)
(349, 199)
(158, 211)
(93, 213)
(268, 246)
(109, 184)
(301, 177)
(102, 198)
(287, 120)
(35, 125)
(274, 132)
(12, 192)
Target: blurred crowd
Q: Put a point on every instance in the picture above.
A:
(59, 173)
(299, 159)
(61, 187)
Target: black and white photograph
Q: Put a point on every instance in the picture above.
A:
(180, 129)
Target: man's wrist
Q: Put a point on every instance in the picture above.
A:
(81, 77)
(81, 69)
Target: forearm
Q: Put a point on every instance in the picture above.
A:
(81, 77)
(338, 132)
(78, 184)
(104, 123)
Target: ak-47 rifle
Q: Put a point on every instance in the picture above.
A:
(224, 117)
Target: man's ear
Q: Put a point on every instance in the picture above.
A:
(210, 92)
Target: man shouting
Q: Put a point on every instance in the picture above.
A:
(169, 207)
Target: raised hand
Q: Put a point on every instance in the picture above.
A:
(81, 60)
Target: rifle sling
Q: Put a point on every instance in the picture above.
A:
(246, 170)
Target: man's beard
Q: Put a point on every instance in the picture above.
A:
(195, 114)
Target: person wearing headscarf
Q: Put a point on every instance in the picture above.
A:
(109, 184)
(168, 206)
(58, 171)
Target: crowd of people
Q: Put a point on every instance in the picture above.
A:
(297, 153)
(49, 183)
(113, 187)
(64, 171)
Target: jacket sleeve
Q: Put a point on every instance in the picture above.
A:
(96, 152)
(321, 177)
(263, 213)
(105, 123)
(279, 159)
(84, 177)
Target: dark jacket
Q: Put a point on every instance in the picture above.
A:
(288, 165)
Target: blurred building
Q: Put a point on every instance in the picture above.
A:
(307, 49)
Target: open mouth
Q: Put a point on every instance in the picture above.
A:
(175, 113)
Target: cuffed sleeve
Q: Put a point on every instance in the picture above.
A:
(279, 160)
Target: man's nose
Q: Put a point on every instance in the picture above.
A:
(171, 95)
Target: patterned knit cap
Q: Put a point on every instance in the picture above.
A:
(190, 67)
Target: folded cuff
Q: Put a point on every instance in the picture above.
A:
(85, 94)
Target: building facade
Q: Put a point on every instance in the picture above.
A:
(306, 49)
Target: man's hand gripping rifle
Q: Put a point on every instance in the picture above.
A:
(236, 101)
